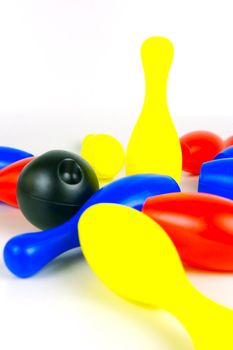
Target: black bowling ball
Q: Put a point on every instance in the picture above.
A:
(54, 186)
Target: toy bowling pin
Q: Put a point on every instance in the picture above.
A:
(28, 253)
(216, 177)
(104, 153)
(199, 225)
(202, 146)
(226, 153)
(9, 155)
(136, 259)
(154, 145)
(9, 179)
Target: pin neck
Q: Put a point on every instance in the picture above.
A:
(155, 90)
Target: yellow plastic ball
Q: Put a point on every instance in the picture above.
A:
(104, 153)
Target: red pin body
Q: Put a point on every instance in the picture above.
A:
(199, 147)
(200, 225)
(8, 181)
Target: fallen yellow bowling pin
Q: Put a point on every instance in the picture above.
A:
(134, 257)
(104, 153)
(154, 146)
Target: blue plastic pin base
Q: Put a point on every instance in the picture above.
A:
(26, 254)
(226, 153)
(9, 155)
(216, 177)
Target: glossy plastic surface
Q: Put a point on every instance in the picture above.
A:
(135, 258)
(8, 181)
(229, 142)
(154, 145)
(54, 187)
(216, 177)
(9, 155)
(199, 147)
(226, 153)
(26, 254)
(104, 153)
(200, 226)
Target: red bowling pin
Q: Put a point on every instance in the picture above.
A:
(8, 181)
(200, 225)
(199, 147)
(229, 142)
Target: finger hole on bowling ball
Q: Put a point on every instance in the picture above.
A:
(70, 172)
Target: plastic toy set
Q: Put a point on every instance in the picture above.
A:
(134, 231)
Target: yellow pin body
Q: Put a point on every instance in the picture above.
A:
(135, 258)
(154, 145)
(104, 153)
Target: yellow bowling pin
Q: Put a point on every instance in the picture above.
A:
(154, 146)
(134, 257)
(104, 153)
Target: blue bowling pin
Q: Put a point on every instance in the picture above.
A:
(9, 155)
(26, 254)
(226, 153)
(216, 177)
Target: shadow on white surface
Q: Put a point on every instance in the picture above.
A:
(189, 183)
(13, 222)
(152, 323)
(67, 284)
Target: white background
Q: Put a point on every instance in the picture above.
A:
(71, 67)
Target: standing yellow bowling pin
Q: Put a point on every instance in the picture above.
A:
(154, 145)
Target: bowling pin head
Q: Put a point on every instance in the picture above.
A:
(216, 177)
(199, 147)
(54, 186)
(157, 54)
(104, 153)
(130, 253)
